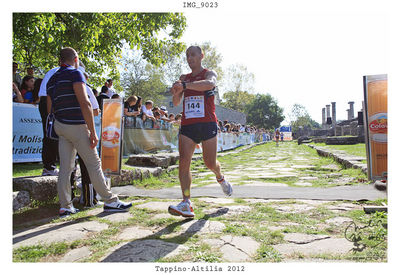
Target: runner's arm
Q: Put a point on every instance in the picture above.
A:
(203, 85)
(177, 91)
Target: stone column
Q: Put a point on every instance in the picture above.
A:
(351, 109)
(323, 117)
(333, 113)
(348, 114)
(328, 111)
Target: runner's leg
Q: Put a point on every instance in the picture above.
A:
(210, 156)
(186, 150)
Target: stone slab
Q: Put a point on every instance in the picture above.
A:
(339, 220)
(134, 233)
(232, 254)
(59, 232)
(329, 246)
(300, 238)
(217, 200)
(202, 226)
(302, 166)
(76, 255)
(157, 205)
(245, 244)
(214, 242)
(143, 251)
(293, 208)
(115, 217)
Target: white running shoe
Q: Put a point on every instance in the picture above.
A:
(226, 186)
(65, 212)
(117, 206)
(183, 209)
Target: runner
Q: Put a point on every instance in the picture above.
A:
(277, 136)
(199, 125)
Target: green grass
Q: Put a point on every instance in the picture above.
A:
(27, 169)
(267, 253)
(354, 149)
(36, 252)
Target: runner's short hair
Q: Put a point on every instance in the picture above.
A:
(197, 48)
(148, 102)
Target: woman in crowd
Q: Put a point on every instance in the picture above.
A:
(27, 88)
(17, 96)
(129, 107)
(35, 92)
(178, 118)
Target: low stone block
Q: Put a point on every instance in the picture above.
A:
(39, 188)
(150, 161)
(126, 177)
(20, 200)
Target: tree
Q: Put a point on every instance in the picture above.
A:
(175, 65)
(142, 79)
(299, 117)
(237, 100)
(238, 78)
(264, 112)
(98, 38)
(212, 59)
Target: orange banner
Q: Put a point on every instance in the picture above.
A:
(375, 101)
(111, 136)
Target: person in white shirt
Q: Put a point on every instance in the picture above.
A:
(110, 91)
(147, 112)
(49, 146)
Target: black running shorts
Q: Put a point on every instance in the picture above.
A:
(200, 131)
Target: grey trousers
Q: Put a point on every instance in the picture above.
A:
(73, 139)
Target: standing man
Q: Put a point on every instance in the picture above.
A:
(16, 77)
(199, 124)
(49, 146)
(74, 124)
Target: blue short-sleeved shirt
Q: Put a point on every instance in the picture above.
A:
(60, 88)
(29, 96)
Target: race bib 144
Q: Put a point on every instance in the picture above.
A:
(194, 106)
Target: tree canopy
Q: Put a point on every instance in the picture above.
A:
(264, 112)
(142, 79)
(237, 100)
(97, 37)
(299, 117)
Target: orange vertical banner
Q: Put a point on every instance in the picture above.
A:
(111, 136)
(375, 105)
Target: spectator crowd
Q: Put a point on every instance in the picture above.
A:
(138, 114)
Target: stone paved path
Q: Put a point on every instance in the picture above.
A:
(278, 213)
